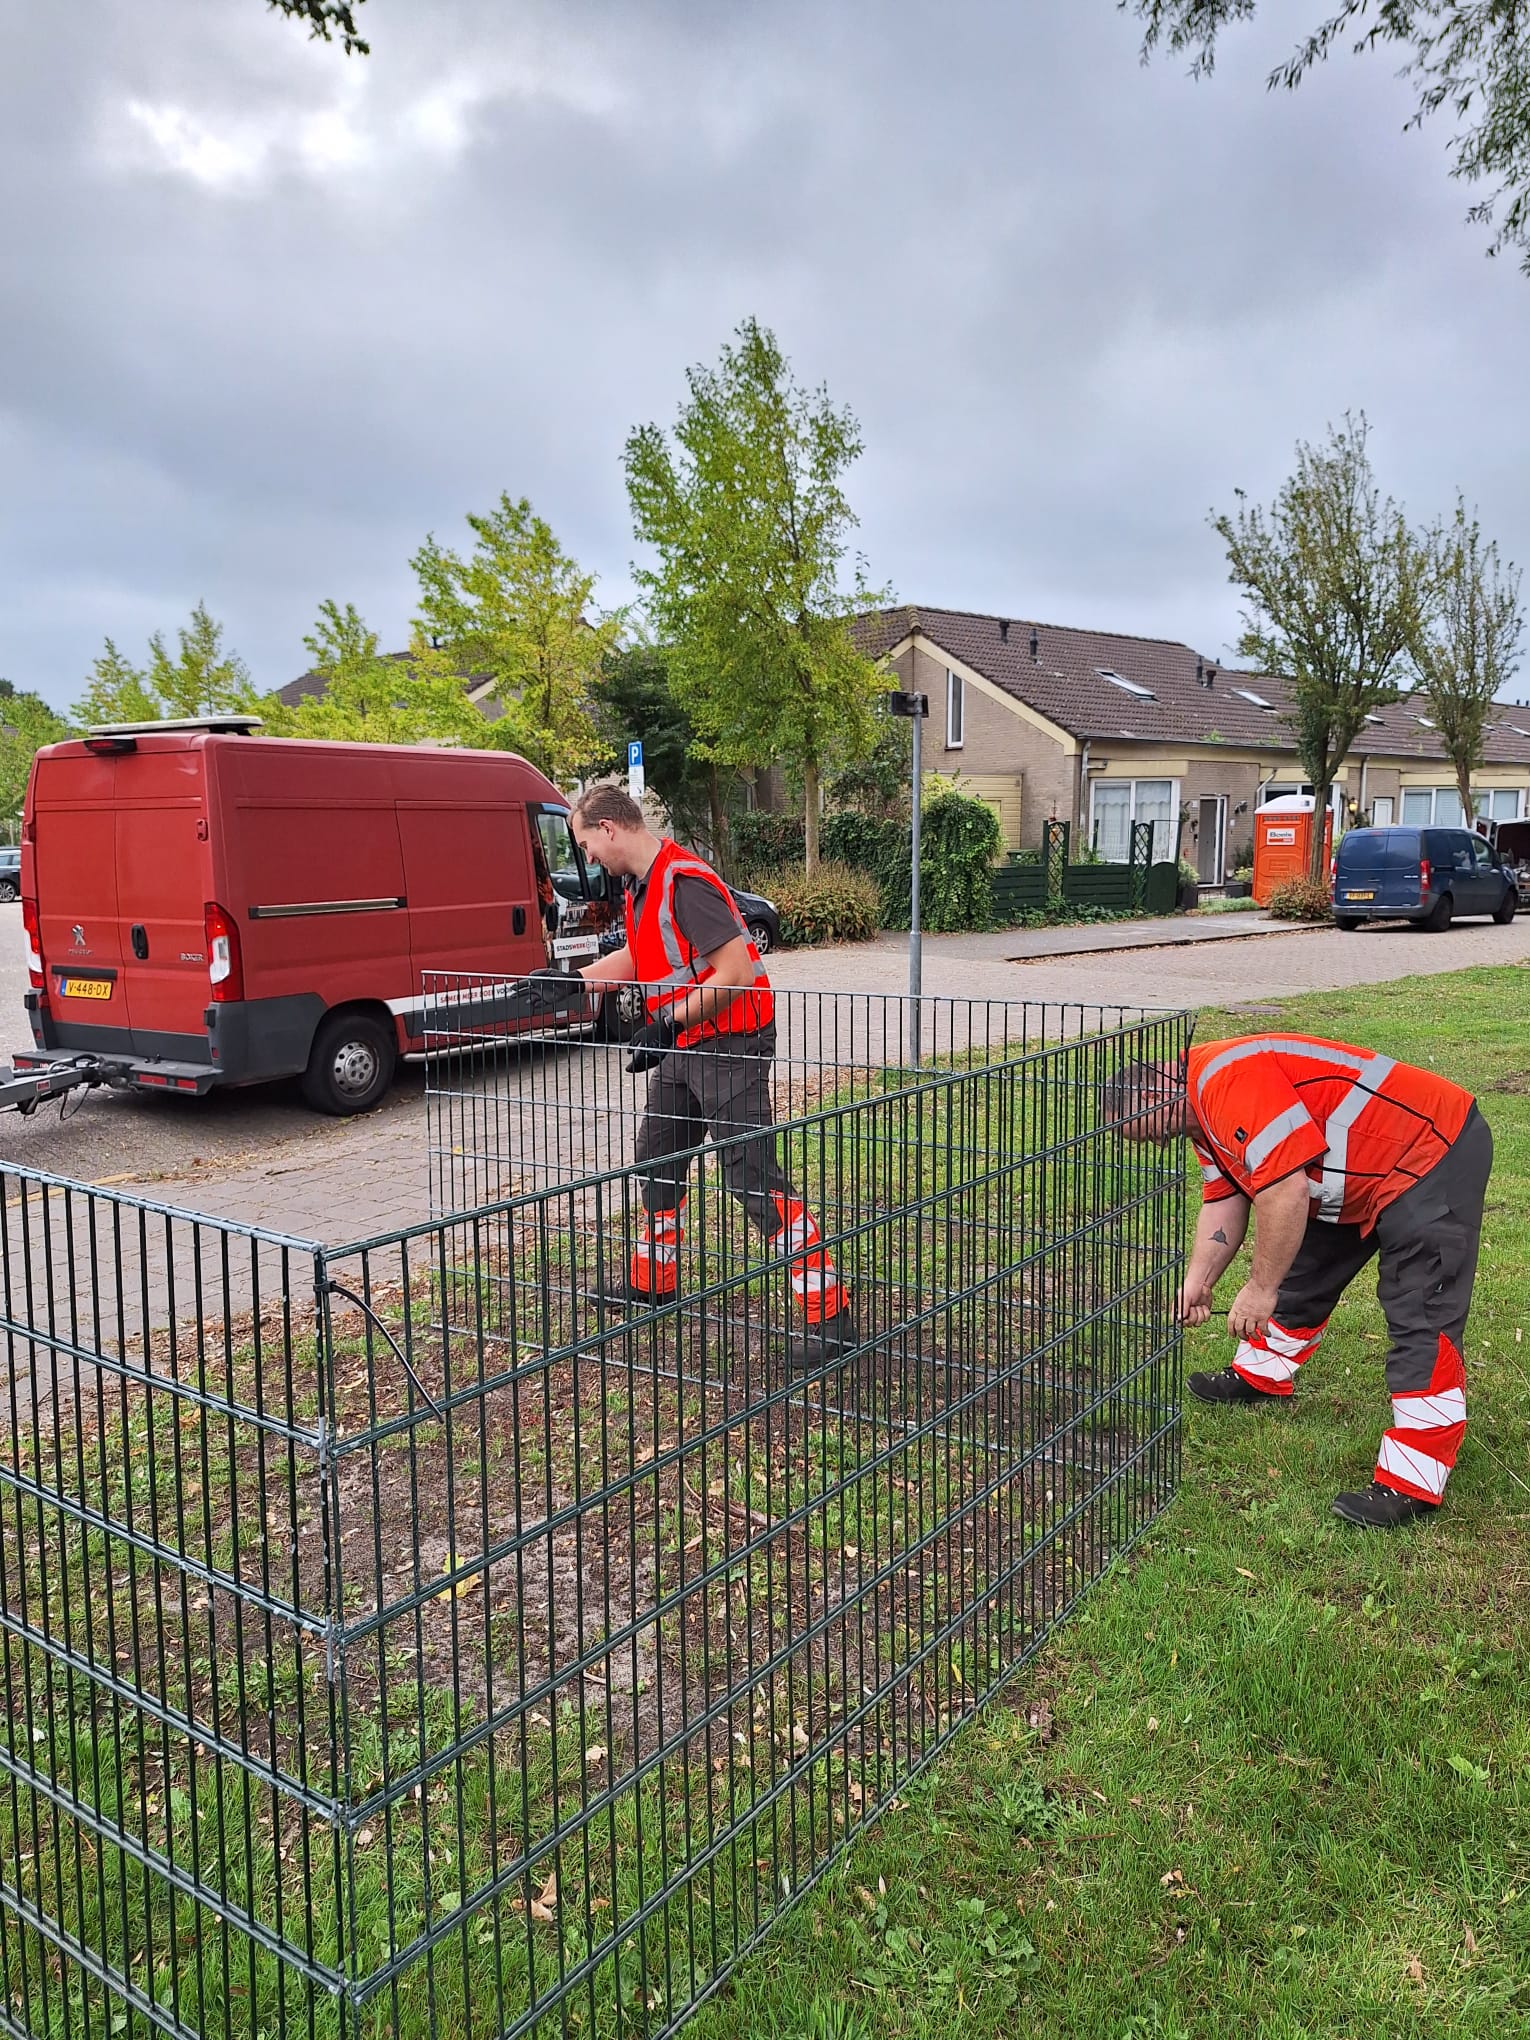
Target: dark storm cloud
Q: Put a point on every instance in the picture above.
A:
(269, 315)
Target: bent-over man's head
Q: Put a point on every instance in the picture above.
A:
(609, 828)
(1148, 1101)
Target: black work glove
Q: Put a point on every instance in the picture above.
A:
(552, 991)
(651, 1044)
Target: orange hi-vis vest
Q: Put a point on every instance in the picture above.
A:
(1363, 1127)
(667, 966)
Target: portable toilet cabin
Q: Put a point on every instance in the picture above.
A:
(1283, 842)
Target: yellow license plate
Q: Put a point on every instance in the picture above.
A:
(1359, 896)
(85, 988)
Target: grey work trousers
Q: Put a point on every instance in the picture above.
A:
(1426, 1241)
(720, 1087)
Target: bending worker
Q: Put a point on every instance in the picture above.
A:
(1341, 1154)
(707, 996)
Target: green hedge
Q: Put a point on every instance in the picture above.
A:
(837, 904)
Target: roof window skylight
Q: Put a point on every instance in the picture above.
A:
(1428, 725)
(1258, 700)
(1126, 686)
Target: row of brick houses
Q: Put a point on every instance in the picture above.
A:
(1047, 723)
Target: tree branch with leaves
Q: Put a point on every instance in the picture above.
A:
(327, 20)
(1466, 647)
(1334, 587)
(1469, 58)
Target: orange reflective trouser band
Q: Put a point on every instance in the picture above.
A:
(816, 1286)
(654, 1269)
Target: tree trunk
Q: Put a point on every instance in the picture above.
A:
(1464, 788)
(1317, 862)
(810, 816)
(719, 820)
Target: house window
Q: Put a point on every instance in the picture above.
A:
(956, 710)
(1117, 803)
(1441, 805)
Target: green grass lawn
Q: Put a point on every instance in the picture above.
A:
(1273, 1779)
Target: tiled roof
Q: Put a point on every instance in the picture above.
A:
(1173, 694)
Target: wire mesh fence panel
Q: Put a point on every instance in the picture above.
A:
(168, 1829)
(652, 1600)
(490, 1628)
(523, 1093)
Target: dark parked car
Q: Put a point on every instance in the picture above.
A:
(10, 873)
(1428, 876)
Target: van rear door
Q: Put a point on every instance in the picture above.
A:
(1377, 870)
(162, 895)
(74, 868)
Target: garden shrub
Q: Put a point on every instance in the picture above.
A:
(961, 839)
(764, 842)
(1302, 899)
(837, 904)
(878, 846)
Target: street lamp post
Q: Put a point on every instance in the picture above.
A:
(916, 707)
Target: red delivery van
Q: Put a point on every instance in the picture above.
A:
(208, 906)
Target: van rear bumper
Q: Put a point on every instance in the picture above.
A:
(251, 1042)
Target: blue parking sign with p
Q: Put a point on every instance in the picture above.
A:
(634, 756)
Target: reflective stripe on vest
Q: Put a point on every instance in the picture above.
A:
(666, 965)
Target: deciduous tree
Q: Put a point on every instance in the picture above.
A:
(633, 697)
(369, 698)
(1332, 580)
(199, 678)
(750, 523)
(1467, 645)
(1468, 58)
(519, 610)
(26, 724)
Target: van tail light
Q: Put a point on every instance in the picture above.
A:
(36, 970)
(1423, 876)
(225, 965)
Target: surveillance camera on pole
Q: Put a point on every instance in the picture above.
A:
(916, 707)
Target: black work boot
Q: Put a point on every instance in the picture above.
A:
(826, 1344)
(1381, 1508)
(1228, 1387)
(619, 1295)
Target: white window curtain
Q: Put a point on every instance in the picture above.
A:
(1418, 804)
(1117, 803)
(1155, 804)
(956, 711)
(1111, 831)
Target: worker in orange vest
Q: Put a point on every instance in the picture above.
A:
(1340, 1154)
(707, 1046)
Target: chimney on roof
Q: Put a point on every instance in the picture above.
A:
(1200, 674)
(1035, 642)
(1211, 676)
(1003, 630)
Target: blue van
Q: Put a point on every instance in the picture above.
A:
(1425, 875)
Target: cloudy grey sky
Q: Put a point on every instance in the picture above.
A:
(269, 315)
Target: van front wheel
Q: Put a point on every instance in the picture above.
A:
(354, 1057)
